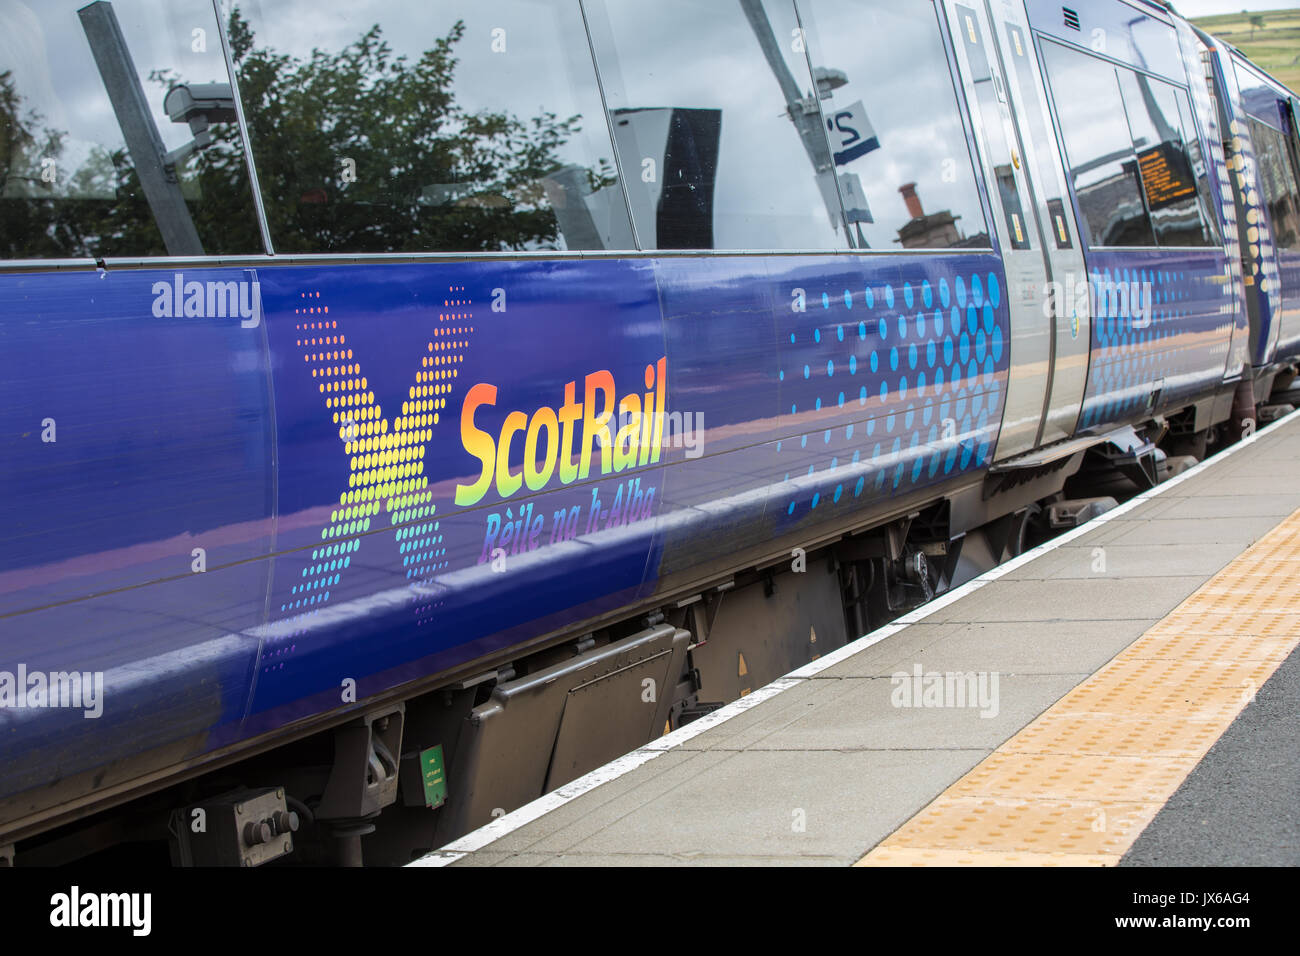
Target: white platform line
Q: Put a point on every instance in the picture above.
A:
(491, 832)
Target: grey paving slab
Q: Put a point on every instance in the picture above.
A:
(817, 805)
(1121, 562)
(687, 859)
(1247, 481)
(1220, 505)
(1241, 531)
(566, 825)
(1082, 599)
(895, 652)
(1230, 506)
(823, 771)
(1155, 508)
(739, 732)
(498, 858)
(654, 787)
(882, 713)
(1270, 460)
(633, 859)
(1275, 451)
(1033, 647)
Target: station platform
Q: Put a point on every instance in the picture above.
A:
(1126, 693)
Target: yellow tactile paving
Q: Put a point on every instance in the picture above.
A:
(1133, 685)
(1077, 786)
(914, 856)
(1108, 735)
(1204, 621)
(1194, 646)
(1086, 827)
(1074, 777)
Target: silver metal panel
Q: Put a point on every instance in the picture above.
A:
(1014, 218)
(1048, 454)
(1068, 273)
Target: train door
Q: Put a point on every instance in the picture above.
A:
(1046, 281)
(1282, 194)
(1262, 305)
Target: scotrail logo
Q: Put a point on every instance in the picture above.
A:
(1102, 298)
(209, 300)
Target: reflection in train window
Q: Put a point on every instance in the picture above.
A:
(117, 132)
(717, 128)
(1277, 180)
(1098, 148)
(1036, 118)
(1168, 179)
(900, 152)
(986, 111)
(1205, 189)
(391, 126)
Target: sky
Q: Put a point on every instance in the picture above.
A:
(1209, 8)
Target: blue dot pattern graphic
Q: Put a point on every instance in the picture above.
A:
(1160, 334)
(899, 383)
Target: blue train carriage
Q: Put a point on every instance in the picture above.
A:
(1259, 114)
(1151, 195)
(376, 463)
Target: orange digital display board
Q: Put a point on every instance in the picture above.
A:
(1166, 176)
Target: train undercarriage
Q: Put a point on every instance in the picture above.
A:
(399, 777)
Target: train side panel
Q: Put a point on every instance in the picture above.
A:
(368, 474)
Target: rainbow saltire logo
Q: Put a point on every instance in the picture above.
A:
(385, 454)
(571, 433)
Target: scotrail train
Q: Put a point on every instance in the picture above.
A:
(345, 498)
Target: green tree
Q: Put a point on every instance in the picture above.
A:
(360, 150)
(357, 151)
(50, 207)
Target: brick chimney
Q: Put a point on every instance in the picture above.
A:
(913, 201)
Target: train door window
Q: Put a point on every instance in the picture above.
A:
(989, 94)
(118, 133)
(1049, 179)
(901, 157)
(391, 126)
(1098, 147)
(1277, 182)
(717, 126)
(1165, 170)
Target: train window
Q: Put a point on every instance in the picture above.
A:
(717, 128)
(1257, 97)
(406, 127)
(988, 95)
(118, 135)
(900, 151)
(1160, 143)
(1205, 190)
(1098, 147)
(1277, 182)
(1049, 177)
